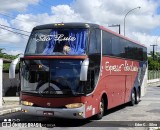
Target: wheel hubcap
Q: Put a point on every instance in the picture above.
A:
(101, 107)
(133, 97)
(137, 97)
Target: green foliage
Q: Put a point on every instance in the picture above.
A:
(7, 56)
(154, 64)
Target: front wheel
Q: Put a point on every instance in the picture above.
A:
(101, 109)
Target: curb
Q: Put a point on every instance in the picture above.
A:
(154, 128)
(153, 84)
(11, 99)
(11, 110)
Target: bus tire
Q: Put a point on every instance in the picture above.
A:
(137, 97)
(101, 108)
(133, 98)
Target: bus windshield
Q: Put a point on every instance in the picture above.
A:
(51, 77)
(57, 42)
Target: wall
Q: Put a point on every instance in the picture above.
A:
(1, 68)
(9, 83)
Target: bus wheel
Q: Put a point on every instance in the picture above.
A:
(133, 98)
(101, 108)
(137, 97)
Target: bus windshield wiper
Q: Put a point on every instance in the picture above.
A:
(33, 91)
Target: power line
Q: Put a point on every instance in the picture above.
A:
(12, 47)
(10, 17)
(38, 4)
(6, 39)
(14, 32)
(14, 28)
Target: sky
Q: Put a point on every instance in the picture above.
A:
(142, 25)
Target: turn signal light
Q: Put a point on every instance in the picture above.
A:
(74, 105)
(26, 103)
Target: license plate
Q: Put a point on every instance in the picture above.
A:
(48, 113)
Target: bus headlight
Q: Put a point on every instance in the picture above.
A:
(74, 105)
(26, 103)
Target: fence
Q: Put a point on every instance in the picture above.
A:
(153, 74)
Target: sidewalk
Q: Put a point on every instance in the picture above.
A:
(10, 105)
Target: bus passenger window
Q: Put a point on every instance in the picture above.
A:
(106, 43)
(93, 43)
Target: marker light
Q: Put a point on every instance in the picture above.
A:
(59, 24)
(74, 105)
(26, 103)
(24, 111)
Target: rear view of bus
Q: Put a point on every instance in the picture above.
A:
(68, 71)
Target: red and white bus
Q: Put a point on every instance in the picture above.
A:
(79, 70)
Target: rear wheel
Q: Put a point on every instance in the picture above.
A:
(137, 97)
(101, 109)
(133, 98)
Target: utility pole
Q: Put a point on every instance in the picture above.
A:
(126, 16)
(153, 50)
(116, 25)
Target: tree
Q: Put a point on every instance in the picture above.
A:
(6, 56)
(154, 64)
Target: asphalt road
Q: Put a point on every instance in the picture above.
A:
(147, 110)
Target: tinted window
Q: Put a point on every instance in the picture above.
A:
(122, 47)
(106, 43)
(119, 47)
(95, 41)
(115, 46)
(98, 37)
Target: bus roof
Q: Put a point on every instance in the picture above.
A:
(82, 25)
(67, 25)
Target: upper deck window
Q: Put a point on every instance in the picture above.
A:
(57, 42)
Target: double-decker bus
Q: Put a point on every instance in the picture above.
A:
(79, 70)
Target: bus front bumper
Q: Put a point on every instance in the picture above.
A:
(74, 113)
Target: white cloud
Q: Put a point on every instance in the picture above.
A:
(113, 12)
(29, 21)
(100, 11)
(148, 40)
(6, 36)
(60, 13)
(64, 13)
(8, 39)
(15, 5)
(139, 23)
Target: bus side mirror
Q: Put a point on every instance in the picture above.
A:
(84, 70)
(12, 68)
